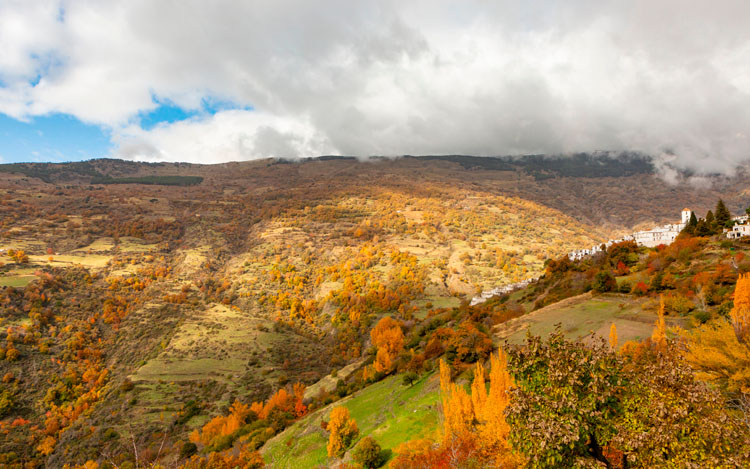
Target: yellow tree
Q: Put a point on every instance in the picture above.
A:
(481, 415)
(457, 407)
(388, 337)
(613, 337)
(720, 351)
(740, 313)
(343, 430)
(659, 336)
(492, 428)
(718, 356)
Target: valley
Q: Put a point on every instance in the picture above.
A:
(155, 301)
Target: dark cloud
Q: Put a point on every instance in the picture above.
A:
(392, 77)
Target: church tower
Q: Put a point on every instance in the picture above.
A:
(686, 212)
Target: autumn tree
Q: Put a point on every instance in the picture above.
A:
(613, 337)
(478, 419)
(670, 419)
(368, 453)
(740, 314)
(720, 351)
(388, 337)
(659, 335)
(604, 282)
(566, 400)
(343, 431)
(580, 404)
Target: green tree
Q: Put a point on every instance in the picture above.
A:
(368, 453)
(703, 228)
(409, 378)
(711, 220)
(722, 215)
(566, 400)
(691, 224)
(574, 398)
(604, 281)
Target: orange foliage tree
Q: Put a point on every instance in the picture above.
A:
(388, 337)
(343, 431)
(479, 419)
(222, 425)
(740, 314)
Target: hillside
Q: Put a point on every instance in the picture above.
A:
(417, 412)
(146, 299)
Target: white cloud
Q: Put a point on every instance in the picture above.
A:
(226, 136)
(391, 77)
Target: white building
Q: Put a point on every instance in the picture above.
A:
(741, 227)
(738, 231)
(650, 238)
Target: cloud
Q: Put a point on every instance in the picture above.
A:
(390, 77)
(225, 136)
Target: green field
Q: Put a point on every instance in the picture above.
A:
(583, 314)
(388, 411)
(16, 280)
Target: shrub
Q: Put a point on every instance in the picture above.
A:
(409, 378)
(368, 453)
(188, 449)
(6, 402)
(604, 282)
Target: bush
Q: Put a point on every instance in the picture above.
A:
(6, 402)
(188, 449)
(368, 453)
(678, 304)
(702, 316)
(604, 282)
(409, 378)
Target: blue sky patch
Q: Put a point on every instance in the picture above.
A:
(168, 112)
(53, 138)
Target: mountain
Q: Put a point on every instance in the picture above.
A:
(139, 301)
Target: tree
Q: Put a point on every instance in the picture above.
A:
(580, 404)
(722, 215)
(720, 351)
(388, 337)
(711, 220)
(368, 453)
(409, 378)
(603, 282)
(670, 419)
(690, 225)
(740, 314)
(613, 337)
(343, 430)
(703, 228)
(566, 400)
(659, 336)
(478, 419)
(719, 357)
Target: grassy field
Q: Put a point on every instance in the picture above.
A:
(213, 344)
(583, 314)
(388, 411)
(17, 277)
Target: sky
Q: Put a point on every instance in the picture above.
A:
(209, 82)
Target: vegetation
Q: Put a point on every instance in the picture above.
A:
(151, 180)
(258, 319)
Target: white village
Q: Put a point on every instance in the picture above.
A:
(664, 234)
